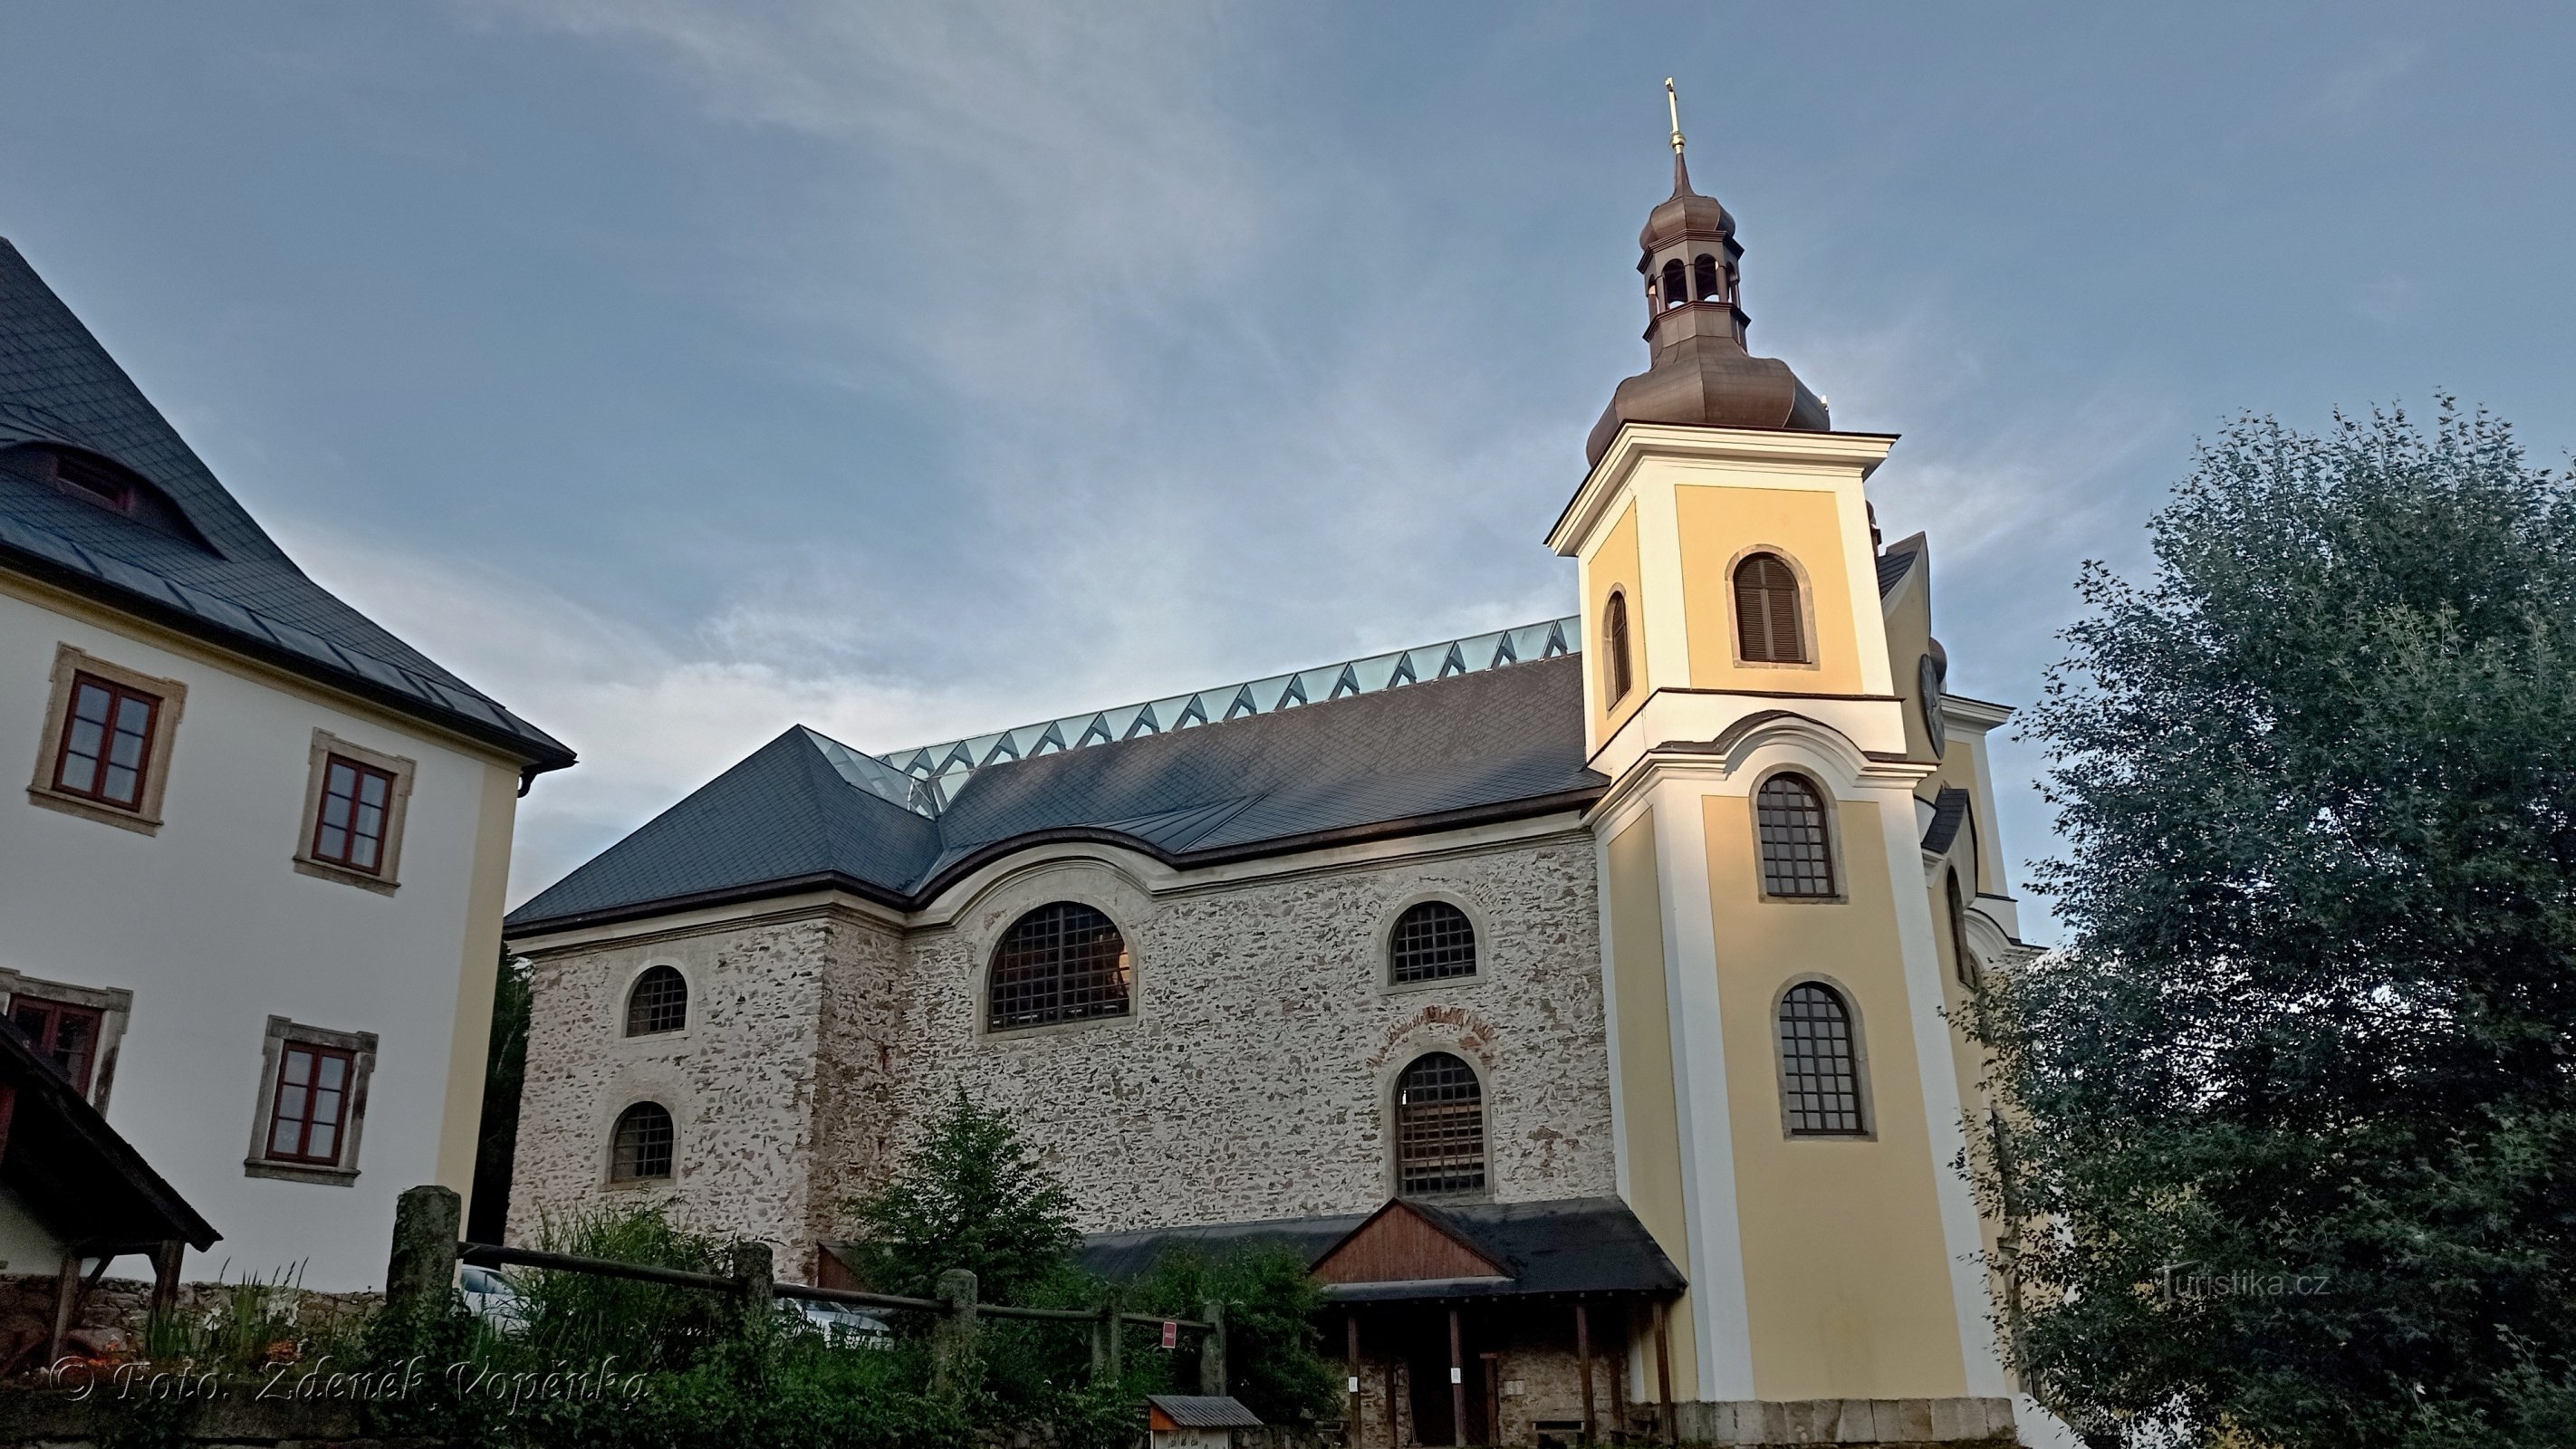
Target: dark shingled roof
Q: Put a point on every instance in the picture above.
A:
(231, 585)
(1496, 744)
(83, 1182)
(1205, 1411)
(1892, 567)
(1571, 1245)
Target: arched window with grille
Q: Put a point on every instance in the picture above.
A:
(640, 1149)
(1820, 1089)
(1433, 941)
(1439, 1127)
(1797, 853)
(1768, 629)
(1676, 283)
(659, 1002)
(1614, 644)
(1061, 962)
(1704, 279)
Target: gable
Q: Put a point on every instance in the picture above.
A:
(1402, 1244)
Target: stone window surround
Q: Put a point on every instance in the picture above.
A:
(384, 881)
(114, 1005)
(1382, 958)
(1860, 1061)
(145, 817)
(361, 1046)
(1815, 659)
(1393, 1072)
(622, 991)
(1833, 834)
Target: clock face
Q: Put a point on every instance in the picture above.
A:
(1930, 676)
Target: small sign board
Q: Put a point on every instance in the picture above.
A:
(1171, 1334)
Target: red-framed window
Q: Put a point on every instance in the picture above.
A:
(107, 742)
(309, 1120)
(350, 827)
(65, 1033)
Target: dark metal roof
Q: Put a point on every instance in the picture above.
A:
(86, 1184)
(1949, 812)
(1892, 568)
(1500, 744)
(1571, 1245)
(58, 387)
(1205, 1411)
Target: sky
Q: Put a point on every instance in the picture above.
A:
(680, 372)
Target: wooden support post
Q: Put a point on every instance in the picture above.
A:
(756, 1271)
(1394, 1429)
(1619, 1374)
(166, 1261)
(423, 1265)
(1457, 1382)
(1351, 1336)
(66, 1298)
(1664, 1372)
(1212, 1375)
(1491, 1365)
(952, 1339)
(1583, 1366)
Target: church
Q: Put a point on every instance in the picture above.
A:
(1577, 998)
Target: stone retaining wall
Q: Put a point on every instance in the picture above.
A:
(109, 1318)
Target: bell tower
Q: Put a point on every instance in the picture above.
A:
(1786, 1086)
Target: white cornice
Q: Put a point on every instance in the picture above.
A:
(1975, 714)
(1772, 450)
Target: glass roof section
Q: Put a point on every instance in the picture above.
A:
(924, 778)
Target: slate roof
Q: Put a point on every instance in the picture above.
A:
(1497, 744)
(1949, 812)
(232, 585)
(74, 1173)
(1205, 1411)
(1569, 1245)
(1894, 564)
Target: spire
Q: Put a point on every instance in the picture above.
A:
(1681, 169)
(1702, 374)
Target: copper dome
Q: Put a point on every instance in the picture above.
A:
(1684, 213)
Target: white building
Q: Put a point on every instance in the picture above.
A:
(251, 896)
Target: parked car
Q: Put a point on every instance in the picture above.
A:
(843, 1324)
(492, 1298)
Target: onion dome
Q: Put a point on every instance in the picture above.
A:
(1700, 373)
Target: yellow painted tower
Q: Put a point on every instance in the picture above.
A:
(1800, 874)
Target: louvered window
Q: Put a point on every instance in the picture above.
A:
(1797, 858)
(1060, 962)
(1819, 1063)
(1614, 641)
(1767, 627)
(1439, 1127)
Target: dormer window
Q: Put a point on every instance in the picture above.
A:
(100, 483)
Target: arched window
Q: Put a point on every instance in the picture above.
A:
(1614, 641)
(1676, 283)
(1433, 941)
(1766, 611)
(1060, 962)
(1797, 857)
(1704, 285)
(659, 1002)
(641, 1148)
(1960, 960)
(1819, 1063)
(1439, 1127)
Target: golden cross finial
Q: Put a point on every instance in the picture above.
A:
(1673, 103)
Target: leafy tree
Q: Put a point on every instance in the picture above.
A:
(971, 1195)
(1274, 1357)
(2292, 1118)
(505, 1068)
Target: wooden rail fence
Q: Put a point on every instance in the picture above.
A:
(426, 1252)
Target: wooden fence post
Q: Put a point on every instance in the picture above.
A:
(1106, 1341)
(423, 1265)
(1212, 1374)
(952, 1340)
(756, 1269)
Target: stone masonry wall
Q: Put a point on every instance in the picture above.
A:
(1253, 1080)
